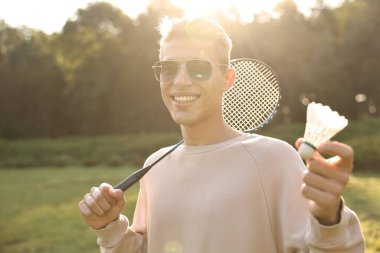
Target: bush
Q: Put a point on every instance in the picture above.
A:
(363, 136)
(86, 151)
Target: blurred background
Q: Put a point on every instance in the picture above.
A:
(79, 104)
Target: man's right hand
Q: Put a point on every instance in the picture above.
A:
(101, 205)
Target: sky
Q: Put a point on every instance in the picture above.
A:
(50, 16)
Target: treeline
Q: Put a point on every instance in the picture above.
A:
(95, 77)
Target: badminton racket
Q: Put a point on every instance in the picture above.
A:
(250, 103)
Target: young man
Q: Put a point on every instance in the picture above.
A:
(224, 190)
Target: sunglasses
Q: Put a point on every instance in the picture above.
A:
(197, 69)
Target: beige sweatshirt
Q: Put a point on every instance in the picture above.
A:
(242, 195)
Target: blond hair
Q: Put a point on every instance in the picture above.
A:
(202, 29)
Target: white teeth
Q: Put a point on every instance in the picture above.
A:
(185, 99)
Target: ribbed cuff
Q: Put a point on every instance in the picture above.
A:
(326, 236)
(113, 232)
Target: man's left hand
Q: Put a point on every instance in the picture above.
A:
(325, 180)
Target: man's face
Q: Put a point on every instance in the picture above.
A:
(193, 103)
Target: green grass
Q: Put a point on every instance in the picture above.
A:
(39, 208)
(363, 196)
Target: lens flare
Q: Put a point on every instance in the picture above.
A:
(173, 247)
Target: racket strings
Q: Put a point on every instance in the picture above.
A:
(253, 99)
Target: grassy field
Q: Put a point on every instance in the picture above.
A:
(39, 208)
(42, 181)
(363, 196)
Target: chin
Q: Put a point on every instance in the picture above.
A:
(182, 121)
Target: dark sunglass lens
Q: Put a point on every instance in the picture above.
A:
(168, 71)
(199, 70)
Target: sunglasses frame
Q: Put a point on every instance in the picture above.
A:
(179, 65)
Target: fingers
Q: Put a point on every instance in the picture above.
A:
(324, 205)
(344, 155)
(336, 148)
(325, 181)
(113, 196)
(324, 186)
(93, 204)
(320, 166)
(105, 190)
(84, 209)
(101, 206)
(320, 197)
(330, 185)
(100, 200)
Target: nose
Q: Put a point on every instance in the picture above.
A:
(182, 77)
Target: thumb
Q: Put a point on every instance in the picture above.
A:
(116, 194)
(298, 142)
(106, 190)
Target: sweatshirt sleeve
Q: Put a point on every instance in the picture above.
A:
(294, 228)
(346, 236)
(119, 237)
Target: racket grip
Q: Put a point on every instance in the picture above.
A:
(132, 179)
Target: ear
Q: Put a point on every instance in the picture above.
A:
(229, 79)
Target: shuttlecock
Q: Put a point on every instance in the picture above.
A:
(321, 124)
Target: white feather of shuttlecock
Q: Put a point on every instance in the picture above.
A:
(322, 124)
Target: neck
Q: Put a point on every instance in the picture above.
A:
(208, 134)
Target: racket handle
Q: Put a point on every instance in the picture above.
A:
(132, 179)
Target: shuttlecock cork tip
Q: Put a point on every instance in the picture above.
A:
(306, 150)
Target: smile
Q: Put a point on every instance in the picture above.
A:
(184, 99)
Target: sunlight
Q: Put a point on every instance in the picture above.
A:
(130, 7)
(245, 8)
(57, 12)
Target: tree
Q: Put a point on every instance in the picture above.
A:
(360, 49)
(31, 101)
